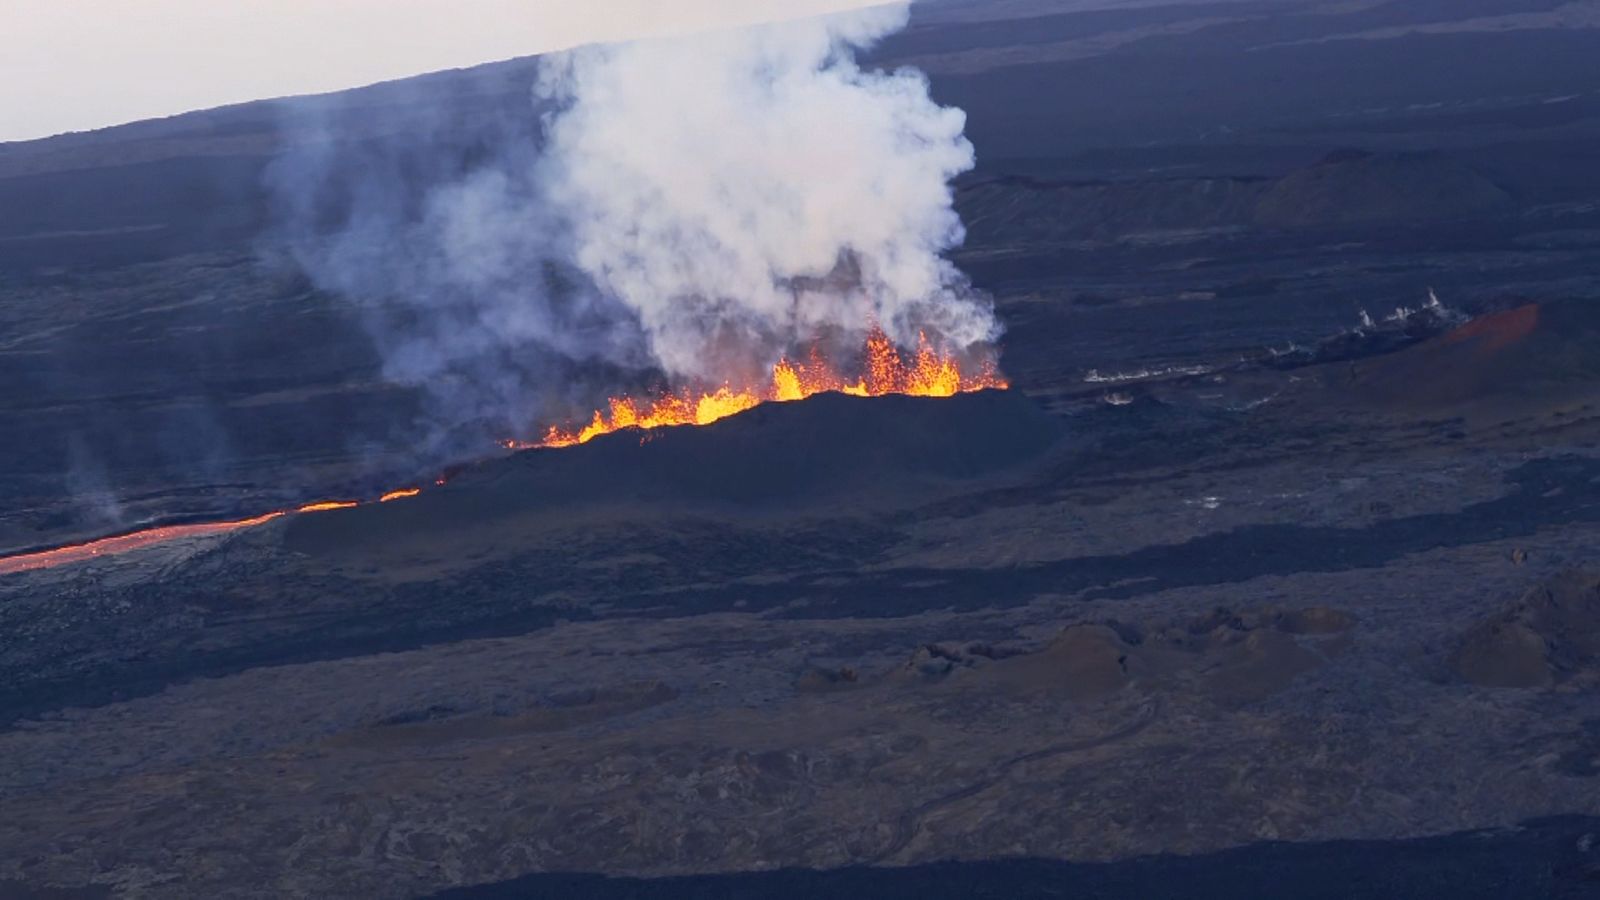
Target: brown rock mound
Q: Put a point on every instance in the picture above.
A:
(1314, 620)
(1548, 636)
(1231, 657)
(818, 680)
(1257, 664)
(1083, 662)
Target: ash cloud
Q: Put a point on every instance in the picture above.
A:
(686, 209)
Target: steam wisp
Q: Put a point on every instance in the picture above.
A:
(672, 214)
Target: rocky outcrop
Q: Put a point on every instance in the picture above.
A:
(1231, 657)
(1549, 636)
(1354, 187)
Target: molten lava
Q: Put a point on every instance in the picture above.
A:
(328, 505)
(150, 537)
(111, 546)
(927, 373)
(885, 370)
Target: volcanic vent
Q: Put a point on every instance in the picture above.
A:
(885, 371)
(721, 219)
(744, 218)
(829, 453)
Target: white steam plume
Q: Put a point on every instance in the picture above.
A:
(696, 206)
(713, 184)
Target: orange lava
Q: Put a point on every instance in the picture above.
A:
(111, 546)
(926, 373)
(327, 505)
(150, 537)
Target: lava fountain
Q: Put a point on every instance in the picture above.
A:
(926, 373)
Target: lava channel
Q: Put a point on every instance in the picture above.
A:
(150, 537)
(123, 543)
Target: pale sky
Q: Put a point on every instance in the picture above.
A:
(73, 65)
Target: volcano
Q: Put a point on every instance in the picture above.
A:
(1235, 592)
(886, 449)
(831, 452)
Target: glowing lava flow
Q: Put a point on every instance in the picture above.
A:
(327, 506)
(928, 373)
(111, 546)
(150, 537)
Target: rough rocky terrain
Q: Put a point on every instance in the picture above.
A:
(1266, 572)
(1061, 660)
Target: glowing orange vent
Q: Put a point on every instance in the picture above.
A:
(928, 373)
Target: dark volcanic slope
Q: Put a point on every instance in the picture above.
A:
(1074, 656)
(1350, 188)
(826, 452)
(1545, 858)
(511, 528)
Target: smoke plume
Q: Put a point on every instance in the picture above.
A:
(693, 208)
